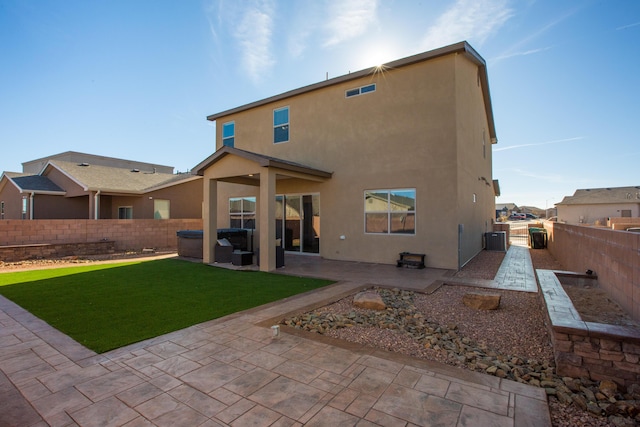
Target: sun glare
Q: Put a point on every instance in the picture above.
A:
(376, 56)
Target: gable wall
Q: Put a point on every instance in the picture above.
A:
(12, 199)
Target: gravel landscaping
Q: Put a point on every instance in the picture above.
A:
(511, 342)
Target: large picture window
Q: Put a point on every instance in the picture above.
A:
(242, 212)
(281, 125)
(161, 209)
(390, 211)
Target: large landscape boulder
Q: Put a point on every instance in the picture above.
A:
(370, 300)
(481, 301)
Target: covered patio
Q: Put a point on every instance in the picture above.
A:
(232, 165)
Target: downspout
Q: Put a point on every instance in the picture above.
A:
(31, 197)
(96, 205)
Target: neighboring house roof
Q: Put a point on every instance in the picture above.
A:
(115, 179)
(591, 196)
(36, 166)
(506, 206)
(261, 159)
(462, 47)
(27, 183)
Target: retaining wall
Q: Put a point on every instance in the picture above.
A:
(56, 250)
(587, 349)
(126, 234)
(613, 255)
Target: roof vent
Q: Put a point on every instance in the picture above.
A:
(135, 170)
(83, 164)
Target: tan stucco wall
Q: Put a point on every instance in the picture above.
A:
(589, 214)
(474, 161)
(10, 195)
(406, 134)
(185, 201)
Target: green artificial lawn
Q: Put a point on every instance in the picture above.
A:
(108, 306)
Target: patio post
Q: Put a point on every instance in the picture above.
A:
(267, 220)
(209, 220)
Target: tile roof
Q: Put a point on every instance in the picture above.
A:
(591, 196)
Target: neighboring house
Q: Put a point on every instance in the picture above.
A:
(506, 209)
(595, 205)
(362, 167)
(82, 186)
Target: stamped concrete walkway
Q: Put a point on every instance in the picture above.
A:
(234, 372)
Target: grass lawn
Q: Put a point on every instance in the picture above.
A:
(107, 306)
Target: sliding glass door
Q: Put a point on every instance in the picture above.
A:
(298, 222)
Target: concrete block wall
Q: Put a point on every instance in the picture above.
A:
(126, 234)
(613, 255)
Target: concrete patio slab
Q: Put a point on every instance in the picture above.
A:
(233, 372)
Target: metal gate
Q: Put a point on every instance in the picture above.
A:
(519, 234)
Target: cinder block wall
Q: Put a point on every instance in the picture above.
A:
(127, 234)
(613, 255)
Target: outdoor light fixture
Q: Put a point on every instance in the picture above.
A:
(275, 331)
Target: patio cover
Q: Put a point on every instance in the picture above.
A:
(229, 164)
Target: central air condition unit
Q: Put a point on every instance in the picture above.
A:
(496, 241)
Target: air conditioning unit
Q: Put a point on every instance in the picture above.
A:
(496, 241)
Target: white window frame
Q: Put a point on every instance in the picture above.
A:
(287, 124)
(389, 211)
(362, 90)
(232, 137)
(243, 215)
(157, 213)
(126, 209)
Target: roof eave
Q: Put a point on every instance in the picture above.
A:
(261, 160)
(461, 47)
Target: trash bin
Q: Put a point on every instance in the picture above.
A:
(537, 238)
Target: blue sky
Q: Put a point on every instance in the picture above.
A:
(136, 79)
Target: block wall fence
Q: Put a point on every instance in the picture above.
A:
(612, 254)
(126, 234)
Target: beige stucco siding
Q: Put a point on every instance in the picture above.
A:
(592, 213)
(10, 195)
(474, 151)
(181, 199)
(409, 133)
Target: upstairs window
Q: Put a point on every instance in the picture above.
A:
(281, 125)
(229, 134)
(390, 211)
(360, 90)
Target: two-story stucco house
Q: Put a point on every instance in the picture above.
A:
(361, 167)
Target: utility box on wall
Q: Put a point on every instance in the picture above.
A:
(496, 241)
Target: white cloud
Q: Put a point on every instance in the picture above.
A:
(557, 141)
(253, 33)
(472, 20)
(523, 53)
(624, 27)
(349, 19)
